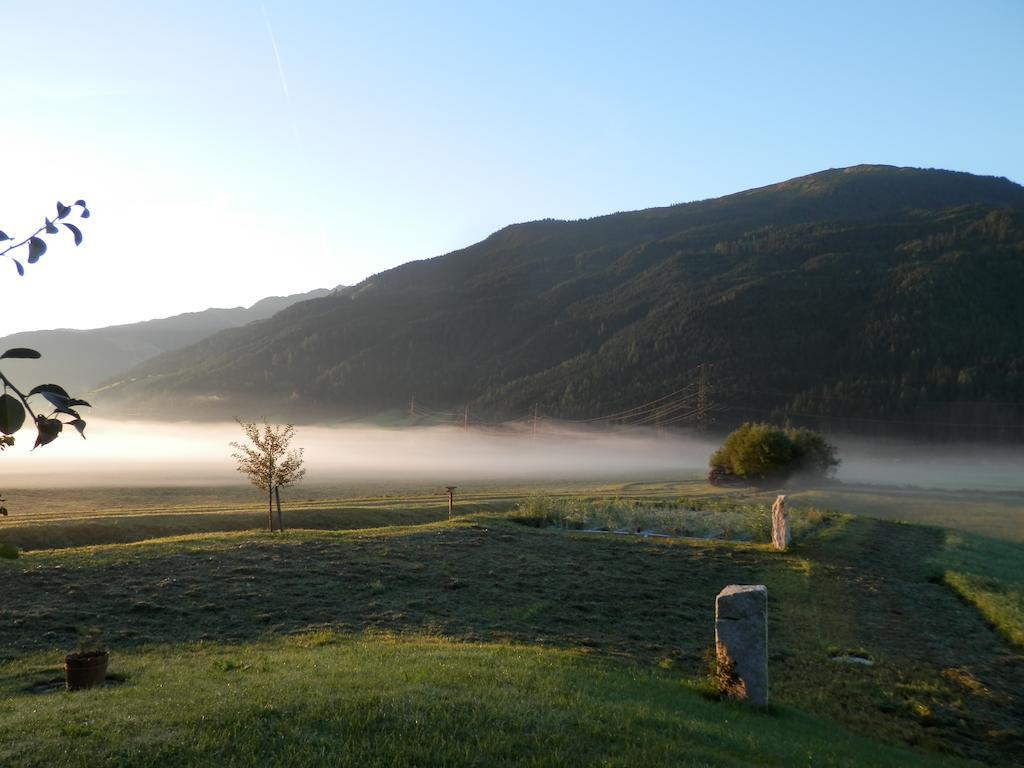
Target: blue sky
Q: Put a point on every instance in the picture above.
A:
(220, 172)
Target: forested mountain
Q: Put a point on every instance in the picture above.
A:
(870, 295)
(81, 359)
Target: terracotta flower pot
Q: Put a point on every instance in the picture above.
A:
(85, 670)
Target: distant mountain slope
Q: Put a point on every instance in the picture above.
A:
(79, 360)
(858, 294)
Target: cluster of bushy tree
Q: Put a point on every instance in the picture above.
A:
(764, 453)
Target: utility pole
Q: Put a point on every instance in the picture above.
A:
(702, 398)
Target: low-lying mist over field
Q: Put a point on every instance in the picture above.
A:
(150, 453)
(170, 454)
(943, 466)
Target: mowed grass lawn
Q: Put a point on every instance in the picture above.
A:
(369, 700)
(513, 643)
(73, 517)
(982, 553)
(995, 515)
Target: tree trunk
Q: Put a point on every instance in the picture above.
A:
(277, 495)
(270, 491)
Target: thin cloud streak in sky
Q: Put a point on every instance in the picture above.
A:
(386, 101)
(277, 55)
(280, 72)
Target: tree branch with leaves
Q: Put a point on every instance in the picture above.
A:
(36, 242)
(15, 404)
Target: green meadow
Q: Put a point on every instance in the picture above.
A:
(373, 631)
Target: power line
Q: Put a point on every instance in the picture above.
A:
(827, 417)
(631, 411)
(702, 399)
(692, 403)
(682, 404)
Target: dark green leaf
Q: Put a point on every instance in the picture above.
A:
(76, 232)
(22, 352)
(51, 228)
(36, 248)
(57, 388)
(12, 414)
(57, 401)
(62, 210)
(8, 551)
(75, 401)
(47, 430)
(79, 425)
(56, 396)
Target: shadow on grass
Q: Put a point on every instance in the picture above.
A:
(487, 580)
(942, 678)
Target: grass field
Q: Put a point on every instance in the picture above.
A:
(486, 639)
(108, 515)
(996, 515)
(704, 517)
(371, 700)
(990, 575)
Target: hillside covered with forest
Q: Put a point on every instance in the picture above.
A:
(83, 359)
(871, 298)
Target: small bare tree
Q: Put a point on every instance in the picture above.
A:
(268, 463)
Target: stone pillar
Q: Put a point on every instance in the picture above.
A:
(780, 524)
(741, 642)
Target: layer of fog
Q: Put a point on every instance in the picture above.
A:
(150, 453)
(182, 454)
(939, 466)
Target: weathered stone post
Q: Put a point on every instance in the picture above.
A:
(781, 535)
(741, 642)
